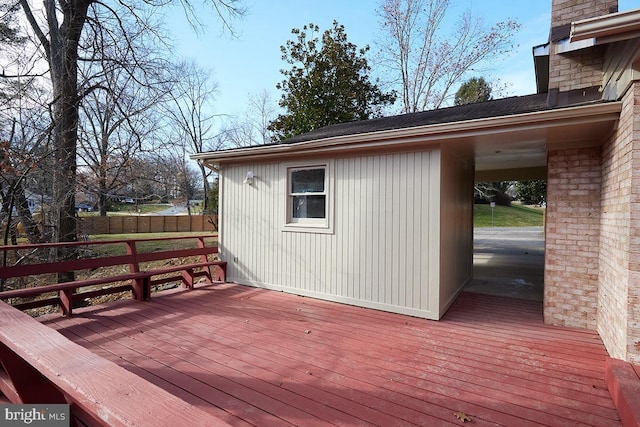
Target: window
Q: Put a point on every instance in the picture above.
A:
(308, 198)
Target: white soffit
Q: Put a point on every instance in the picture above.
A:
(607, 28)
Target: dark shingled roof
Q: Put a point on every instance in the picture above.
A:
(483, 110)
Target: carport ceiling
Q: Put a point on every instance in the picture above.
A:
(525, 148)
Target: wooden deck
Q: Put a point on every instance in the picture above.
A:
(257, 357)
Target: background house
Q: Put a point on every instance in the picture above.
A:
(379, 213)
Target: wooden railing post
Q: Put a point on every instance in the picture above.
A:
(139, 285)
(66, 301)
(202, 244)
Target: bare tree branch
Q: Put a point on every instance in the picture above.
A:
(425, 62)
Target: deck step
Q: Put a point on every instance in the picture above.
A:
(623, 381)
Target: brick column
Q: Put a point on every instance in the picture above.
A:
(572, 238)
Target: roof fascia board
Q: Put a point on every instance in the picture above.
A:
(541, 50)
(567, 45)
(434, 133)
(606, 28)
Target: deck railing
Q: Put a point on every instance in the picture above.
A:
(40, 366)
(136, 272)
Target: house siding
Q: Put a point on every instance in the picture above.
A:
(456, 225)
(384, 249)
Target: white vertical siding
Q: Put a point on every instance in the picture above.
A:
(381, 253)
(456, 226)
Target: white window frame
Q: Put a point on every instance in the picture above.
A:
(309, 225)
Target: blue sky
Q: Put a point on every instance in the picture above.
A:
(251, 62)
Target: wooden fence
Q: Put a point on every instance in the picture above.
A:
(146, 224)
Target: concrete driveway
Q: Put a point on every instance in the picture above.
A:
(172, 210)
(508, 261)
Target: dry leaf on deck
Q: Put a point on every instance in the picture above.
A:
(462, 416)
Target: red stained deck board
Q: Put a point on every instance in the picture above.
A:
(499, 386)
(409, 350)
(144, 358)
(491, 358)
(344, 404)
(445, 331)
(239, 359)
(463, 348)
(512, 421)
(269, 397)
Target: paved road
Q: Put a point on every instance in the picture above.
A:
(509, 240)
(509, 261)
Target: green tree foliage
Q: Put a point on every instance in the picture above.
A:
(476, 89)
(532, 192)
(328, 83)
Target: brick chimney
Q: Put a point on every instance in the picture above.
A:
(575, 72)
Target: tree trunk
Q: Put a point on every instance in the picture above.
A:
(22, 207)
(206, 187)
(102, 193)
(63, 62)
(102, 202)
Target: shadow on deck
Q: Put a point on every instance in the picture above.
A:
(256, 357)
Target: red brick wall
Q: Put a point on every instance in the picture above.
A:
(583, 68)
(567, 11)
(612, 316)
(619, 296)
(633, 337)
(572, 238)
(576, 70)
(592, 265)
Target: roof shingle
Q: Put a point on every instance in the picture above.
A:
(494, 108)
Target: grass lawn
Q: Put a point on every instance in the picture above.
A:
(507, 216)
(153, 246)
(142, 209)
(130, 210)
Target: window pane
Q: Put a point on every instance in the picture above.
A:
(308, 206)
(307, 181)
